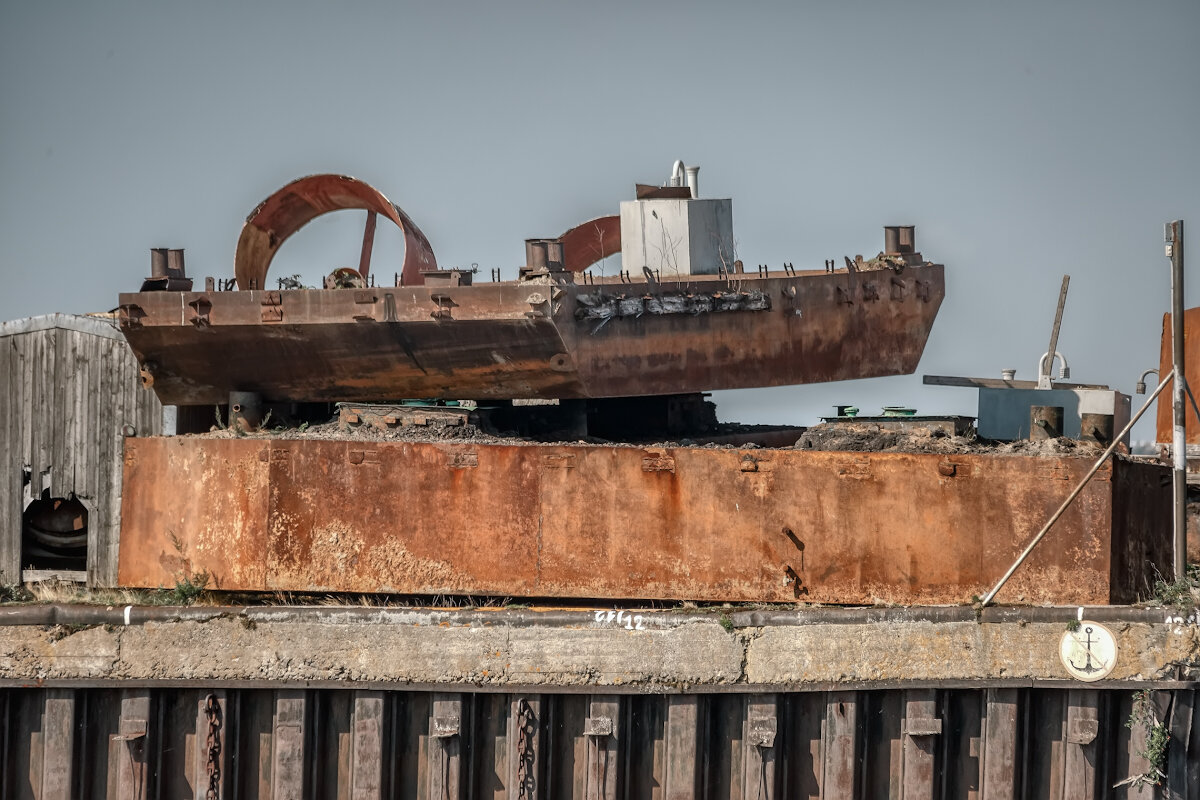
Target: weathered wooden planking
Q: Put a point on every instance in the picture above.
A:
(367, 754)
(999, 753)
(922, 729)
(132, 750)
(10, 470)
(68, 385)
(1079, 751)
(58, 745)
(681, 747)
(444, 764)
(602, 731)
(759, 749)
(288, 767)
(840, 763)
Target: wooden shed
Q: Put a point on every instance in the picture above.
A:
(70, 393)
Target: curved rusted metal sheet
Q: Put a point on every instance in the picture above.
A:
(303, 200)
(590, 242)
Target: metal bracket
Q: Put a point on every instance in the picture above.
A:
(762, 731)
(1083, 731)
(444, 305)
(130, 316)
(200, 308)
(658, 463)
(598, 726)
(445, 727)
(928, 726)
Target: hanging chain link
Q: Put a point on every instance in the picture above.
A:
(526, 729)
(212, 710)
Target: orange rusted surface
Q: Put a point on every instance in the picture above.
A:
(576, 521)
(1191, 368)
(591, 241)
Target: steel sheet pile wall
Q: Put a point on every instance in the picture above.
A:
(916, 743)
(261, 514)
(68, 385)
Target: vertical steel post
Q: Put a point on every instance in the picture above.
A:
(1174, 236)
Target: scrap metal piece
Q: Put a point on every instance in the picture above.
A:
(591, 241)
(303, 200)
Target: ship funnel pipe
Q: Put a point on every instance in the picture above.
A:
(678, 174)
(693, 180)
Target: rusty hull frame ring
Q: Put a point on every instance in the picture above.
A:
(590, 242)
(303, 200)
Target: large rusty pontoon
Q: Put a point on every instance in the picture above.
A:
(676, 319)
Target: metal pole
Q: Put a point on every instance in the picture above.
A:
(1071, 498)
(1174, 236)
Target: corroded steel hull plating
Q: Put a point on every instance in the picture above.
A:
(575, 521)
(555, 338)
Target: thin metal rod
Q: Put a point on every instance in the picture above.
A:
(1071, 497)
(1174, 237)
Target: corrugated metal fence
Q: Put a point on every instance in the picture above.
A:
(333, 743)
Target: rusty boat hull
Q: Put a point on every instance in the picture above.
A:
(562, 337)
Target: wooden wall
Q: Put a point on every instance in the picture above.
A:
(68, 386)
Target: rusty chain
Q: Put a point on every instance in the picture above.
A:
(212, 710)
(526, 729)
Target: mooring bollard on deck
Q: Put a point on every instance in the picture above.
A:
(1045, 422)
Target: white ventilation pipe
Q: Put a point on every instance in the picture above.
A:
(678, 175)
(1043, 369)
(682, 175)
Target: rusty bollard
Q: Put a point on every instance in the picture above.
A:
(1045, 422)
(1097, 428)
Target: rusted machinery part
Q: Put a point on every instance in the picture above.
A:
(590, 242)
(303, 200)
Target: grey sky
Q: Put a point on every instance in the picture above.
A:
(1024, 139)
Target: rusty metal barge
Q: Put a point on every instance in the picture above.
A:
(681, 316)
